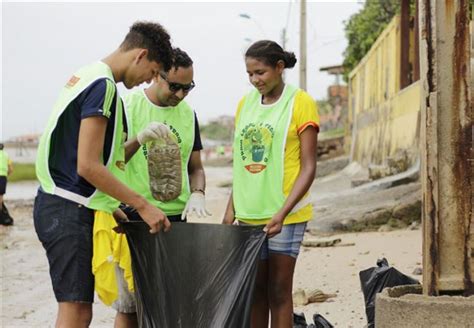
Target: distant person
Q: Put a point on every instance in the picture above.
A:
(274, 165)
(6, 168)
(163, 102)
(81, 159)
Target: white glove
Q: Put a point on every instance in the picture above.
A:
(153, 131)
(196, 203)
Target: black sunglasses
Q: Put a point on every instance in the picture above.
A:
(175, 87)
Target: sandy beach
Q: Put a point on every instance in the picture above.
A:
(27, 299)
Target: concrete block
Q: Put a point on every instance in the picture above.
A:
(405, 306)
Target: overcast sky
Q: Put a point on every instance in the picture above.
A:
(44, 43)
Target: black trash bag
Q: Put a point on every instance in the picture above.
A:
(196, 275)
(130, 212)
(321, 322)
(299, 320)
(375, 279)
(5, 217)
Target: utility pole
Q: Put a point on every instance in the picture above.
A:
(303, 45)
(283, 38)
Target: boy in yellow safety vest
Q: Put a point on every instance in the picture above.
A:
(6, 168)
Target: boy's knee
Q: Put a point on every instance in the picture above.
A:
(74, 315)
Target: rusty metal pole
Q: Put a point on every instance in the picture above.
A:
(303, 45)
(446, 140)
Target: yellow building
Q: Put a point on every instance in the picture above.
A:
(383, 117)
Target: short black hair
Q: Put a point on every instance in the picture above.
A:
(154, 38)
(1, 146)
(181, 59)
(270, 53)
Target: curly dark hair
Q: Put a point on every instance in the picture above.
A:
(154, 38)
(181, 59)
(270, 53)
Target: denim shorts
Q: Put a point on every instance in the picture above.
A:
(287, 242)
(65, 229)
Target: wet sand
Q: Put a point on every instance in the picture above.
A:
(27, 299)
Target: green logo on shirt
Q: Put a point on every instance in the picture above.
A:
(255, 145)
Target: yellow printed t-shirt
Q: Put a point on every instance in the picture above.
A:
(110, 249)
(305, 113)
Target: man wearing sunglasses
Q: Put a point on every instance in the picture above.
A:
(161, 107)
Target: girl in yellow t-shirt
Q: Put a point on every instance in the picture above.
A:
(265, 62)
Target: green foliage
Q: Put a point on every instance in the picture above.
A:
(363, 28)
(22, 172)
(215, 131)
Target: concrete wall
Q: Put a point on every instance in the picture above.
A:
(382, 118)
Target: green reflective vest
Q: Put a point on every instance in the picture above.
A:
(180, 119)
(3, 163)
(115, 164)
(259, 150)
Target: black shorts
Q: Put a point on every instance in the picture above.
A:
(3, 184)
(65, 229)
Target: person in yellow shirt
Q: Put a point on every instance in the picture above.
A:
(274, 165)
(6, 168)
